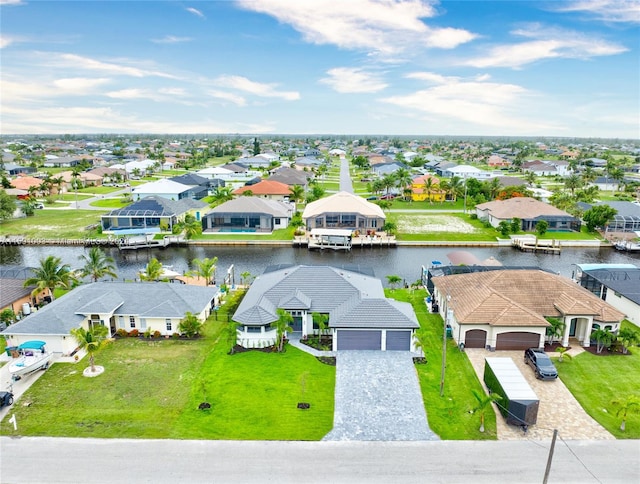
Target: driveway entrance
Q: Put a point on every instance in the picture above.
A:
(377, 397)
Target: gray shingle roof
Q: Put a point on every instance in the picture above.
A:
(148, 299)
(350, 298)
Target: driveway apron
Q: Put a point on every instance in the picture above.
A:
(377, 397)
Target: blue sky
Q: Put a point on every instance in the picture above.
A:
(513, 68)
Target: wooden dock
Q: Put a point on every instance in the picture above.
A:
(533, 244)
(362, 241)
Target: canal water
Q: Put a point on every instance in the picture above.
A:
(405, 262)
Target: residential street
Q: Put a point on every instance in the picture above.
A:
(40, 460)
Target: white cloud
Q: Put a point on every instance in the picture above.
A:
(352, 79)
(228, 96)
(79, 85)
(483, 105)
(167, 94)
(6, 40)
(77, 62)
(11, 2)
(257, 88)
(171, 39)
(546, 44)
(386, 27)
(195, 11)
(607, 10)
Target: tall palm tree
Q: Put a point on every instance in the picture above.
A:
(91, 340)
(97, 264)
(58, 182)
(297, 193)
(205, 268)
(456, 186)
(428, 188)
(403, 178)
(51, 274)
(153, 271)
(572, 182)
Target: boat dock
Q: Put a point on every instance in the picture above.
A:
(533, 244)
(148, 242)
(342, 240)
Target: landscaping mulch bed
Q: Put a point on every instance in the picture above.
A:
(327, 360)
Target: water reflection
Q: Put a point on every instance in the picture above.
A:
(405, 262)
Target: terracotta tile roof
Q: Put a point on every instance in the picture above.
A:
(24, 182)
(520, 298)
(265, 187)
(521, 207)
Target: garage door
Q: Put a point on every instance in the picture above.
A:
(475, 338)
(517, 341)
(398, 340)
(359, 340)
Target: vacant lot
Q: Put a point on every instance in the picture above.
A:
(422, 224)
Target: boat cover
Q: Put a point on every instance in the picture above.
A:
(32, 345)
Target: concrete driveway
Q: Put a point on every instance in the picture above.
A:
(377, 397)
(558, 408)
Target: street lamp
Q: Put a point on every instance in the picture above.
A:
(444, 345)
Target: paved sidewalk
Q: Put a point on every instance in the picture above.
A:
(378, 397)
(558, 408)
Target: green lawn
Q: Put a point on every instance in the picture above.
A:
(449, 416)
(111, 203)
(55, 224)
(152, 389)
(433, 227)
(596, 380)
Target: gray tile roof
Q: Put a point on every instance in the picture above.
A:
(350, 298)
(251, 205)
(11, 290)
(147, 299)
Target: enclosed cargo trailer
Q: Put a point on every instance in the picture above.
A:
(519, 404)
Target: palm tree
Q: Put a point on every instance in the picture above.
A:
(297, 193)
(51, 274)
(221, 195)
(321, 321)
(428, 188)
(58, 182)
(190, 325)
(628, 406)
(388, 182)
(403, 178)
(456, 186)
(91, 340)
(556, 330)
(283, 324)
(531, 178)
(603, 338)
(421, 337)
(394, 280)
(97, 265)
(191, 227)
(205, 268)
(494, 188)
(483, 402)
(231, 335)
(628, 338)
(245, 277)
(563, 353)
(572, 182)
(153, 271)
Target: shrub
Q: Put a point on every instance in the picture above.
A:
(122, 333)
(473, 216)
(157, 334)
(147, 333)
(175, 335)
(134, 333)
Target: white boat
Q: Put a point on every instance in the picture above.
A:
(33, 356)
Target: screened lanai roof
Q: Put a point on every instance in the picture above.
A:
(157, 207)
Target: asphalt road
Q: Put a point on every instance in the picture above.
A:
(50, 460)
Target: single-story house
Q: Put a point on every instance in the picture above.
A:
(466, 171)
(63, 162)
(360, 317)
(248, 214)
(530, 211)
(14, 295)
(343, 210)
(619, 286)
(382, 169)
(155, 306)
(14, 169)
(506, 309)
(24, 182)
(150, 215)
(168, 189)
(200, 184)
(271, 190)
(605, 183)
(291, 177)
(627, 218)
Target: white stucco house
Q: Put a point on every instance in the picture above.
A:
(157, 306)
(360, 317)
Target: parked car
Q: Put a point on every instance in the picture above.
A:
(6, 399)
(388, 196)
(39, 205)
(541, 364)
(373, 197)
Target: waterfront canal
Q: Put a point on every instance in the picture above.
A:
(405, 262)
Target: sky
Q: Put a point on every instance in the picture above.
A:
(568, 68)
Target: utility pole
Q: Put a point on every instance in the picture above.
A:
(550, 458)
